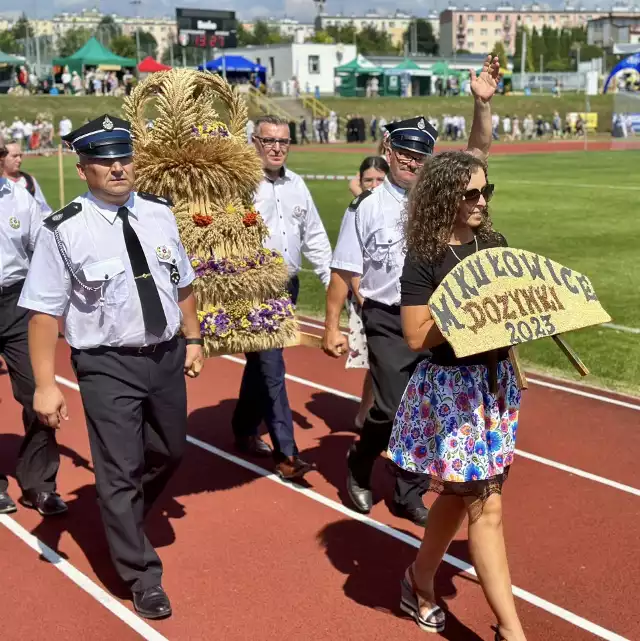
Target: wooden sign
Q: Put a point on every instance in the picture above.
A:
(503, 296)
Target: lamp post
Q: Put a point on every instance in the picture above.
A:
(137, 4)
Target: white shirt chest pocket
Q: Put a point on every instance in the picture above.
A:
(386, 247)
(111, 278)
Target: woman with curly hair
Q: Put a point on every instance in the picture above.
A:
(457, 420)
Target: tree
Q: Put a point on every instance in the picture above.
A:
(148, 44)
(124, 46)
(372, 41)
(321, 37)
(107, 30)
(263, 34)
(22, 29)
(501, 53)
(8, 43)
(426, 41)
(243, 36)
(72, 40)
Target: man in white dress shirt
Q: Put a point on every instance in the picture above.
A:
(12, 171)
(288, 210)
(371, 245)
(111, 263)
(38, 458)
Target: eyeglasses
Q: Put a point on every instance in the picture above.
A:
(270, 143)
(474, 194)
(405, 159)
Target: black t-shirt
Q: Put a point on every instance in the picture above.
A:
(421, 278)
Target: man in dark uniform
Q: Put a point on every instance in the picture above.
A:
(38, 459)
(111, 263)
(371, 245)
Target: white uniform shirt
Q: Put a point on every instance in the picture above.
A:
(39, 196)
(295, 226)
(94, 242)
(377, 224)
(20, 222)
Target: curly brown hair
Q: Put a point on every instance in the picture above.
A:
(434, 202)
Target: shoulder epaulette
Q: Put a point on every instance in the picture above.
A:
(155, 199)
(355, 203)
(58, 217)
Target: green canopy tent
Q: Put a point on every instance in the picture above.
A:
(354, 76)
(93, 54)
(7, 60)
(407, 73)
(7, 65)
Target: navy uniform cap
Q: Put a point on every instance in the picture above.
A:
(104, 137)
(414, 134)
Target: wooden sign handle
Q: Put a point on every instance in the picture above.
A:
(521, 377)
(574, 359)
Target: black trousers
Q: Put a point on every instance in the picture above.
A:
(263, 396)
(38, 458)
(136, 410)
(391, 364)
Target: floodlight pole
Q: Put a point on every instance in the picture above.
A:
(137, 4)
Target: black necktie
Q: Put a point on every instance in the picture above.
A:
(155, 320)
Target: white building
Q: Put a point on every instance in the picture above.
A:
(312, 64)
(286, 27)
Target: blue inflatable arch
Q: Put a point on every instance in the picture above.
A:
(632, 62)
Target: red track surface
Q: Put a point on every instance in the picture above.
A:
(247, 558)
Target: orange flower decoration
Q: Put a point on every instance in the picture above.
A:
(202, 220)
(250, 218)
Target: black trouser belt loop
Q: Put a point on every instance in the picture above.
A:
(11, 289)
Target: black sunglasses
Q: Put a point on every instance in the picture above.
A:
(486, 192)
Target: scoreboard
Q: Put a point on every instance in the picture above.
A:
(206, 28)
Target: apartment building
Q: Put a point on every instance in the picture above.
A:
(394, 24)
(609, 31)
(478, 30)
(286, 27)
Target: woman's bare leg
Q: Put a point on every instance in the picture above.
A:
(489, 557)
(445, 518)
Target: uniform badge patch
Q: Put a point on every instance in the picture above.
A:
(107, 124)
(421, 124)
(163, 252)
(14, 222)
(299, 212)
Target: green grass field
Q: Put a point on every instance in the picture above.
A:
(80, 108)
(579, 209)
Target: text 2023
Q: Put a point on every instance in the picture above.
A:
(523, 332)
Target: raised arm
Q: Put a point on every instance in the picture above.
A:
(483, 88)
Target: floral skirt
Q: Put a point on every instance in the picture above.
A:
(450, 427)
(358, 351)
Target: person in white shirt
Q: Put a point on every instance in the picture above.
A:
(506, 127)
(38, 458)
(17, 131)
(288, 210)
(111, 264)
(249, 130)
(65, 127)
(12, 165)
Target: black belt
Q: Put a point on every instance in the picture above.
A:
(11, 289)
(374, 304)
(147, 350)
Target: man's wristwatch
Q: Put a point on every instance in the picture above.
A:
(195, 341)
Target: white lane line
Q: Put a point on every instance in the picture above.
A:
(529, 597)
(622, 328)
(83, 581)
(569, 184)
(534, 457)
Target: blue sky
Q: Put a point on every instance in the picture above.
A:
(246, 9)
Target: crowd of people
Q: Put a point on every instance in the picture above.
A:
(111, 264)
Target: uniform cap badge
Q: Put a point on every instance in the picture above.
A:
(107, 124)
(421, 123)
(14, 222)
(163, 252)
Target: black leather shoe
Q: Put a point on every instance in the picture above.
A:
(152, 603)
(416, 514)
(7, 506)
(361, 497)
(254, 446)
(46, 503)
